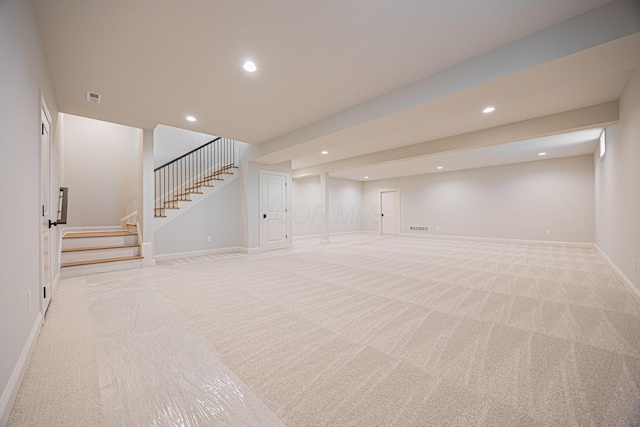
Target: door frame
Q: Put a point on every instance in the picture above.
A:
(44, 109)
(287, 177)
(398, 212)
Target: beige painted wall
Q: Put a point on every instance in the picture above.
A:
(617, 186)
(519, 201)
(307, 208)
(101, 171)
(23, 75)
(345, 206)
(170, 143)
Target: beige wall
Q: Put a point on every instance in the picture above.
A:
(307, 207)
(23, 75)
(518, 201)
(101, 171)
(169, 143)
(617, 186)
(345, 206)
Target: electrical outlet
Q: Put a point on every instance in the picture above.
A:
(208, 238)
(548, 232)
(28, 300)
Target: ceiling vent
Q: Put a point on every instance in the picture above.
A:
(94, 97)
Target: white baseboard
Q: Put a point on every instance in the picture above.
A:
(177, 255)
(307, 236)
(13, 386)
(56, 281)
(635, 292)
(249, 250)
(146, 249)
(499, 240)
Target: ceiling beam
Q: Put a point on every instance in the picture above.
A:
(584, 118)
(602, 25)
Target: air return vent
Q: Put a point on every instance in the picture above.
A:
(417, 228)
(94, 97)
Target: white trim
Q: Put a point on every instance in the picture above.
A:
(13, 386)
(635, 292)
(41, 125)
(146, 250)
(308, 236)
(43, 105)
(500, 240)
(190, 254)
(55, 283)
(249, 251)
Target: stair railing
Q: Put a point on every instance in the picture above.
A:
(176, 180)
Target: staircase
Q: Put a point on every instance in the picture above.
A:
(192, 173)
(179, 181)
(99, 251)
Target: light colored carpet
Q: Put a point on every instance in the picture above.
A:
(60, 387)
(407, 331)
(368, 331)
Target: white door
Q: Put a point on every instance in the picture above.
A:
(45, 207)
(273, 211)
(389, 212)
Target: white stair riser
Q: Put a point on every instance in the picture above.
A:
(88, 242)
(99, 254)
(83, 270)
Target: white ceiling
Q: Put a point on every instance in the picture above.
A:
(357, 78)
(156, 61)
(564, 145)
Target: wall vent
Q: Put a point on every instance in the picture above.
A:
(94, 97)
(416, 228)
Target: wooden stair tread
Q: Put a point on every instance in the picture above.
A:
(98, 248)
(99, 234)
(101, 261)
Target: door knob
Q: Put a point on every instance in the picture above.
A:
(264, 216)
(382, 214)
(51, 224)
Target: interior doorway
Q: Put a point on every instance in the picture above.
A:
(273, 210)
(390, 212)
(45, 202)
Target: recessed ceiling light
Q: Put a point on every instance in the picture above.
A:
(191, 118)
(542, 154)
(439, 167)
(249, 66)
(366, 177)
(325, 152)
(489, 110)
